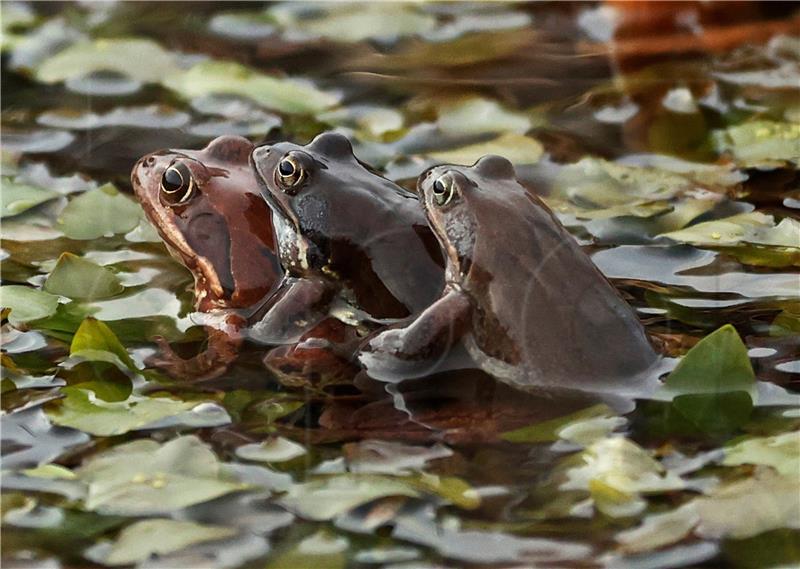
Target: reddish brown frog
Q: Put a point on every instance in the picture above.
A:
(521, 296)
(207, 209)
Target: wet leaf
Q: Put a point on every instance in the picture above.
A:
(17, 197)
(227, 77)
(147, 478)
(141, 540)
(389, 457)
(78, 278)
(453, 490)
(518, 148)
(140, 59)
(99, 212)
(27, 303)
(83, 410)
(582, 427)
(781, 452)
(717, 364)
(761, 144)
(326, 498)
(754, 228)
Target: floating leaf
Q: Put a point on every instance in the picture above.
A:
(582, 427)
(140, 59)
(716, 364)
(518, 148)
(17, 197)
(616, 471)
(475, 115)
(347, 22)
(94, 341)
(321, 550)
(78, 278)
(761, 143)
(27, 304)
(326, 498)
(141, 540)
(277, 449)
(99, 212)
(144, 477)
(82, 410)
(227, 77)
(781, 452)
(388, 457)
(755, 228)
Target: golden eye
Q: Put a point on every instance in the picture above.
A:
(177, 184)
(443, 190)
(289, 172)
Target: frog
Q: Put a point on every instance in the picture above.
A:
(521, 296)
(353, 245)
(206, 207)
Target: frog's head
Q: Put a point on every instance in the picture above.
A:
(452, 197)
(314, 191)
(206, 206)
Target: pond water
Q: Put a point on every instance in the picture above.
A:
(666, 139)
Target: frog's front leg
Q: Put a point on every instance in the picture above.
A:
(297, 306)
(420, 347)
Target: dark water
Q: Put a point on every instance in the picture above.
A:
(686, 124)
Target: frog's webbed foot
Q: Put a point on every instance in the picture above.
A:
(213, 361)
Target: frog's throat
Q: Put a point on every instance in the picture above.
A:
(205, 276)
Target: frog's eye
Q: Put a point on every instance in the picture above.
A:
(177, 184)
(443, 190)
(289, 173)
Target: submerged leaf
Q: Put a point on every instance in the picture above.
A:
(518, 148)
(78, 278)
(141, 540)
(27, 303)
(17, 197)
(99, 212)
(144, 477)
(227, 77)
(140, 59)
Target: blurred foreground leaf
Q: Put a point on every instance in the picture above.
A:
(761, 144)
(27, 303)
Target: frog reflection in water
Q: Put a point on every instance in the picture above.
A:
(525, 301)
(205, 205)
(353, 244)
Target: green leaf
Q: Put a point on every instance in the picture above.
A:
(227, 77)
(754, 228)
(711, 412)
(716, 364)
(140, 59)
(146, 478)
(781, 452)
(518, 148)
(141, 540)
(16, 197)
(276, 449)
(326, 498)
(761, 143)
(27, 304)
(80, 279)
(100, 212)
(84, 411)
(475, 115)
(452, 489)
(93, 339)
(597, 419)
